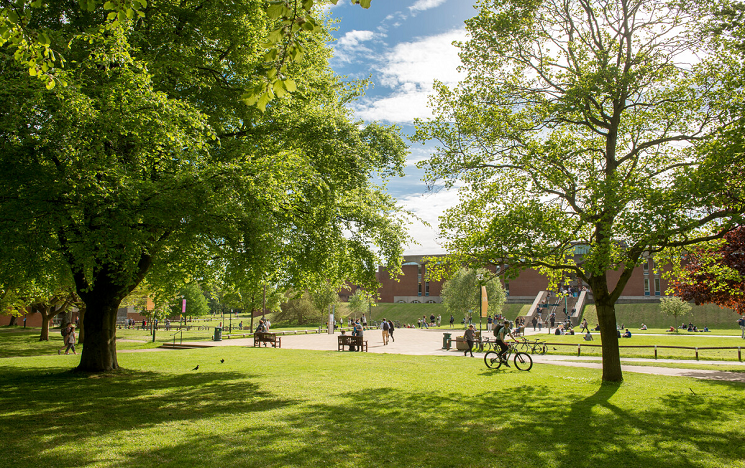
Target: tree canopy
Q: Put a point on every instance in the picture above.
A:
(675, 307)
(586, 134)
(714, 273)
(149, 163)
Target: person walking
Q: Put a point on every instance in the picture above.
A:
(584, 326)
(535, 322)
(470, 338)
(70, 341)
(65, 331)
(489, 323)
(384, 327)
(390, 330)
(452, 321)
(741, 322)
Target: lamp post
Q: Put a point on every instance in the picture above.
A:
(480, 278)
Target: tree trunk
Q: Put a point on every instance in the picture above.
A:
(102, 300)
(47, 313)
(99, 352)
(609, 336)
(81, 326)
(13, 319)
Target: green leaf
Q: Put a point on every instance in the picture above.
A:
(108, 6)
(365, 3)
(276, 11)
(32, 71)
(36, 4)
(111, 16)
(279, 88)
(44, 39)
(270, 56)
(50, 84)
(263, 101)
(307, 5)
(12, 16)
(290, 85)
(274, 37)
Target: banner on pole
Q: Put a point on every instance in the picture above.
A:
(484, 302)
(183, 307)
(150, 305)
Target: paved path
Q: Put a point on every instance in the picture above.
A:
(429, 343)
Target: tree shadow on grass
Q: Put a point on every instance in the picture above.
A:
(505, 421)
(394, 428)
(63, 406)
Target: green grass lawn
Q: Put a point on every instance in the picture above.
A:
(277, 407)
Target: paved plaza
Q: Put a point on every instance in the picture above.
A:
(417, 342)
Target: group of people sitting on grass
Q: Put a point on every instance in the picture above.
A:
(563, 329)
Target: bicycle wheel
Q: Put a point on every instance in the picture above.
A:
(543, 349)
(523, 361)
(492, 361)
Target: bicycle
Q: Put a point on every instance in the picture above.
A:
(533, 347)
(522, 360)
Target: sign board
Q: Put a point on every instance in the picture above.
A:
(484, 302)
(150, 305)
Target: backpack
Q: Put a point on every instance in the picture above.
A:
(63, 331)
(498, 329)
(385, 325)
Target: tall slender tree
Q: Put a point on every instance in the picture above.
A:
(585, 135)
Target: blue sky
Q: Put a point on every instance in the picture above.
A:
(403, 46)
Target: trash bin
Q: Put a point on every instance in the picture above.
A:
(218, 334)
(446, 341)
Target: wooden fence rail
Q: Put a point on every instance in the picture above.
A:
(695, 348)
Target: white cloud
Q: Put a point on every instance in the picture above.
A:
(409, 69)
(352, 43)
(428, 207)
(421, 5)
(354, 38)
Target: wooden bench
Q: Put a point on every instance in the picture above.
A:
(265, 338)
(351, 341)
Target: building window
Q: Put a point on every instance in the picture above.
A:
(420, 289)
(656, 286)
(646, 286)
(645, 266)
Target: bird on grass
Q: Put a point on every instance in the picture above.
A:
(196, 368)
(222, 360)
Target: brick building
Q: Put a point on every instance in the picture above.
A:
(412, 286)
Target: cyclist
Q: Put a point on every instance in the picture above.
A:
(501, 333)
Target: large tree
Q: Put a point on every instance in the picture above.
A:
(586, 135)
(148, 162)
